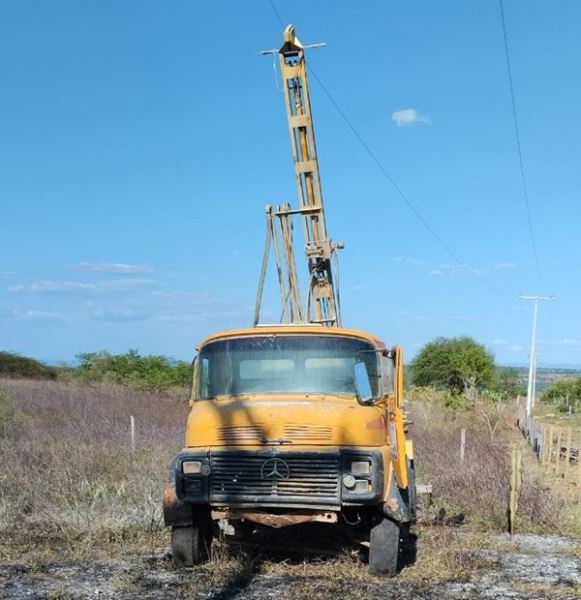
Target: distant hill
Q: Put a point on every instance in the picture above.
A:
(546, 375)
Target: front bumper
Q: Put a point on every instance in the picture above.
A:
(285, 479)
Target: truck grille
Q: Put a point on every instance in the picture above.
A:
(307, 433)
(254, 434)
(240, 434)
(284, 478)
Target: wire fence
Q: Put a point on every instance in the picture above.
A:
(556, 448)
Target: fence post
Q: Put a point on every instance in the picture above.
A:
(579, 464)
(550, 447)
(567, 455)
(132, 427)
(462, 444)
(559, 446)
(515, 484)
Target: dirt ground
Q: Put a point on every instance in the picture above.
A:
(522, 567)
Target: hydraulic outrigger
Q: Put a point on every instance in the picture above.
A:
(322, 305)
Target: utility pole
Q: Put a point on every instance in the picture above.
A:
(531, 388)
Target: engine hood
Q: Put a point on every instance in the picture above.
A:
(287, 421)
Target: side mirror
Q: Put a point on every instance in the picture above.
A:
(362, 383)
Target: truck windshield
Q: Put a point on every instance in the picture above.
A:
(278, 364)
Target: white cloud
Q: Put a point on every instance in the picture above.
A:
(454, 268)
(120, 315)
(499, 342)
(54, 287)
(571, 342)
(30, 315)
(111, 268)
(75, 288)
(502, 266)
(408, 260)
(127, 285)
(413, 316)
(515, 348)
(408, 116)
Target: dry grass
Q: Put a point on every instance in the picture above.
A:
(70, 478)
(71, 487)
(443, 556)
(478, 487)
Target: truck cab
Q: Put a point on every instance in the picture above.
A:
(293, 424)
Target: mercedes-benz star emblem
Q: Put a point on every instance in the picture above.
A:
(274, 468)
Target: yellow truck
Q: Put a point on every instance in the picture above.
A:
(299, 422)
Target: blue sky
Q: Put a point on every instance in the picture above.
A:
(140, 141)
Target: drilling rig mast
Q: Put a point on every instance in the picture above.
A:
(322, 304)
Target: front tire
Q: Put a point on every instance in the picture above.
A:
(384, 548)
(191, 544)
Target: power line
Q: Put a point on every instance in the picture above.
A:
(389, 178)
(518, 145)
(273, 6)
(396, 187)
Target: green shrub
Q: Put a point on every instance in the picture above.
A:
(13, 365)
(453, 401)
(143, 372)
(507, 383)
(565, 394)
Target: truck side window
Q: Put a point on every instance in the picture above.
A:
(204, 377)
(388, 374)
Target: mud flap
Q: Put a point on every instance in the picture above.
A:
(175, 512)
(397, 504)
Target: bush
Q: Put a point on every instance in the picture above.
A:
(141, 372)
(570, 386)
(453, 401)
(13, 365)
(565, 394)
(507, 383)
(460, 365)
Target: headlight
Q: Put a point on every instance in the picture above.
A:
(349, 481)
(192, 467)
(360, 467)
(361, 486)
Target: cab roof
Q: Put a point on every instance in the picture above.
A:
(294, 329)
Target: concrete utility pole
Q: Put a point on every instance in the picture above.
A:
(531, 388)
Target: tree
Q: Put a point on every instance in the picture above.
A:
(459, 364)
(565, 394)
(508, 383)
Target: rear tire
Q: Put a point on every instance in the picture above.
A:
(384, 548)
(191, 544)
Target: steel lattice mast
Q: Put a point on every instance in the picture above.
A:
(322, 304)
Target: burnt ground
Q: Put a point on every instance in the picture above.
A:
(525, 566)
